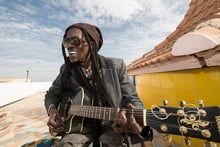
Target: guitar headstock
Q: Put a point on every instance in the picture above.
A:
(187, 120)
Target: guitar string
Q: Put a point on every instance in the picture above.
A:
(131, 111)
(156, 124)
(137, 113)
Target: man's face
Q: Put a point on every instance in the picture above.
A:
(77, 47)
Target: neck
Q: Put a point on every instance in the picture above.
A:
(87, 62)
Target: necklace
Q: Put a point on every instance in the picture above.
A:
(87, 71)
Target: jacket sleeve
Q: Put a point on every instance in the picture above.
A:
(129, 95)
(52, 95)
(128, 90)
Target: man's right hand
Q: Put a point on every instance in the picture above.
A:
(55, 123)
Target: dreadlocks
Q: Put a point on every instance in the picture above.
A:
(100, 89)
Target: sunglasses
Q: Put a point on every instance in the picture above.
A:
(72, 41)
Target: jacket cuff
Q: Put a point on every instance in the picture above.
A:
(146, 133)
(49, 109)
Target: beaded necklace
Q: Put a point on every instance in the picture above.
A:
(87, 71)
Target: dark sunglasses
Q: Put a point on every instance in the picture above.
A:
(72, 41)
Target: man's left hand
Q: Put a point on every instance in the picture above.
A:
(123, 124)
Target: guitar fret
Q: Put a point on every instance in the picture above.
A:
(95, 112)
(104, 114)
(109, 114)
(87, 111)
(84, 111)
(99, 112)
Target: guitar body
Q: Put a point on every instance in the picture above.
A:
(73, 123)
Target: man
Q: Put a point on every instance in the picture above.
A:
(105, 83)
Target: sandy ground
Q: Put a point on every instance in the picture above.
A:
(23, 121)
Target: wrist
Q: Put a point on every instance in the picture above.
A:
(51, 109)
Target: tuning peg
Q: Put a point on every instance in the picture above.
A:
(182, 103)
(165, 102)
(201, 103)
(183, 129)
(202, 112)
(167, 138)
(206, 133)
(187, 141)
(210, 144)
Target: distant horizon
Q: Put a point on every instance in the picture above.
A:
(19, 80)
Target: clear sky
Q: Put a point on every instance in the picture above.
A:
(31, 30)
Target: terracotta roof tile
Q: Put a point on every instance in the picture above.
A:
(199, 11)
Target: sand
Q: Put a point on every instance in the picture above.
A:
(23, 121)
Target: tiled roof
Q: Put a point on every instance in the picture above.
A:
(194, 43)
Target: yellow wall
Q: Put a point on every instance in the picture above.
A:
(189, 85)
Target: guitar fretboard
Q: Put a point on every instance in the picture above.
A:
(105, 113)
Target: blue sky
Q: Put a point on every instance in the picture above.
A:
(31, 30)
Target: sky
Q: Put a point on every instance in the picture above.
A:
(31, 31)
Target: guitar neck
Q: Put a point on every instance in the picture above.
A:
(105, 113)
(169, 120)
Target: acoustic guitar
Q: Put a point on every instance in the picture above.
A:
(188, 120)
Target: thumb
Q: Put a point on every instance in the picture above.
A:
(131, 106)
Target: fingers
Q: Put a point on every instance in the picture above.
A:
(56, 129)
(130, 106)
(134, 125)
(120, 117)
(124, 124)
(132, 121)
(52, 120)
(55, 123)
(116, 113)
(120, 121)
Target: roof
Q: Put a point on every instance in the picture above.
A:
(194, 43)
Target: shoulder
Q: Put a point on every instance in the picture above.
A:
(111, 61)
(62, 67)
